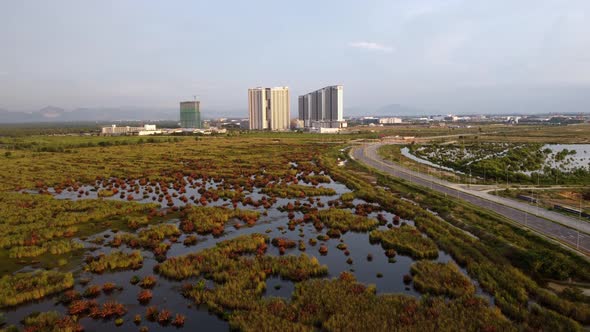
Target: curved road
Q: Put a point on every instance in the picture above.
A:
(573, 238)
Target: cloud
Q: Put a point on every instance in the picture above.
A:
(371, 46)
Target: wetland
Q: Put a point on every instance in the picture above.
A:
(234, 232)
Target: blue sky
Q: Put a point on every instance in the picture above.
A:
(440, 55)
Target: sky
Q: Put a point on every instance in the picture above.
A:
(447, 56)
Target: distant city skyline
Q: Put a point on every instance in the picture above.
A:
(440, 56)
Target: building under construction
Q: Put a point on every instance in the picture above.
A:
(190, 114)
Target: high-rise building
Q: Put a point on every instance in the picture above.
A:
(269, 108)
(322, 108)
(190, 114)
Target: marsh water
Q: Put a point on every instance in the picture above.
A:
(386, 275)
(579, 157)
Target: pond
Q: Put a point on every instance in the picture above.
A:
(406, 153)
(576, 156)
(565, 157)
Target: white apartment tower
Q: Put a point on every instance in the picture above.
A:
(322, 108)
(269, 108)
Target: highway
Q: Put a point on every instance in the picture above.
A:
(572, 237)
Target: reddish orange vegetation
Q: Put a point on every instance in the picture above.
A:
(148, 282)
(178, 320)
(80, 307)
(109, 309)
(144, 296)
(283, 242)
(164, 317)
(108, 287)
(151, 313)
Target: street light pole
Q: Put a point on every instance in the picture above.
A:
(580, 221)
(538, 190)
(506, 176)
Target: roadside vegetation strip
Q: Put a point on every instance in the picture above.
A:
(440, 279)
(506, 260)
(562, 199)
(29, 286)
(346, 305)
(405, 240)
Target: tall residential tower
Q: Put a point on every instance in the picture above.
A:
(322, 108)
(269, 108)
(190, 114)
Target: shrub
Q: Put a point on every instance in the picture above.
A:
(151, 313)
(144, 296)
(92, 291)
(283, 242)
(148, 282)
(178, 320)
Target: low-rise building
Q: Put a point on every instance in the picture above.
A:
(113, 130)
(390, 120)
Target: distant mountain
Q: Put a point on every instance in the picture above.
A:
(56, 114)
(112, 114)
(51, 112)
(356, 111)
(12, 117)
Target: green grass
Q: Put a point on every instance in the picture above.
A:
(345, 305)
(25, 287)
(344, 220)
(116, 260)
(440, 279)
(406, 240)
